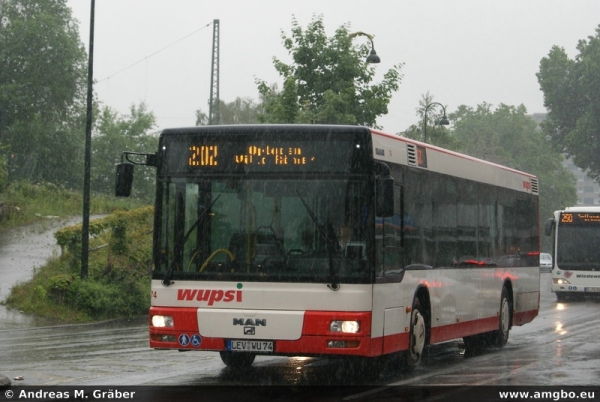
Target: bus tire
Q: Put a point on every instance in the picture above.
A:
(500, 336)
(417, 338)
(561, 296)
(237, 360)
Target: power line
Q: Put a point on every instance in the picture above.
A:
(155, 53)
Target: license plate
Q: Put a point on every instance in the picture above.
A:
(245, 345)
(594, 290)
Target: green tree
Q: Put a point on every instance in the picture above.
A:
(115, 133)
(240, 111)
(42, 85)
(509, 137)
(328, 81)
(572, 97)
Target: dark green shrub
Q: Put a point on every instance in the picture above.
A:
(108, 300)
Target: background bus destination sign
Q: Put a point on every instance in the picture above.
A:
(575, 218)
(209, 155)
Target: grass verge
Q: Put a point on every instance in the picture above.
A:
(25, 203)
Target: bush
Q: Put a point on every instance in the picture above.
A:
(108, 300)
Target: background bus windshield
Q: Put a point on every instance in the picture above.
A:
(578, 243)
(267, 229)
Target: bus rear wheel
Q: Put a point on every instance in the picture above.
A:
(500, 336)
(237, 360)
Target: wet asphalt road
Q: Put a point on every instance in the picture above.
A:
(560, 347)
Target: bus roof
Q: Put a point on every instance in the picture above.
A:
(397, 149)
(582, 209)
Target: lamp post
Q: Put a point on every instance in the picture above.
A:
(85, 227)
(372, 57)
(443, 121)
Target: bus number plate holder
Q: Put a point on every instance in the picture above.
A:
(246, 345)
(592, 290)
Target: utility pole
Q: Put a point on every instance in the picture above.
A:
(213, 112)
(85, 227)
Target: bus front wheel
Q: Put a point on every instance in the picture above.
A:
(561, 296)
(237, 360)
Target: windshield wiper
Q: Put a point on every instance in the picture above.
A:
(330, 241)
(179, 245)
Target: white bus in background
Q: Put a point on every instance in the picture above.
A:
(310, 240)
(575, 235)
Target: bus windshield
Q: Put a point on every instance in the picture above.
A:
(244, 228)
(578, 247)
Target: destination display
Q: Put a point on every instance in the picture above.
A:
(263, 155)
(223, 154)
(583, 218)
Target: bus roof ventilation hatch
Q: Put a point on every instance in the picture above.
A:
(535, 189)
(411, 149)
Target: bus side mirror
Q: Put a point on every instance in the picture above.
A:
(549, 226)
(124, 179)
(385, 196)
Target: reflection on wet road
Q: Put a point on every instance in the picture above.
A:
(560, 347)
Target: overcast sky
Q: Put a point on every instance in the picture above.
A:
(461, 51)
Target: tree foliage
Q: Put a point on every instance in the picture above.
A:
(42, 85)
(115, 133)
(572, 97)
(327, 81)
(240, 111)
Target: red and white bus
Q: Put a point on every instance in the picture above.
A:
(312, 240)
(575, 251)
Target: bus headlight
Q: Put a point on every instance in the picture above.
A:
(350, 327)
(560, 281)
(162, 321)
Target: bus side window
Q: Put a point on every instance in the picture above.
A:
(390, 237)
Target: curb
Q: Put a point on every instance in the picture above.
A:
(137, 320)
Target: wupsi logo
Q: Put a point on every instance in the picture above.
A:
(210, 295)
(567, 274)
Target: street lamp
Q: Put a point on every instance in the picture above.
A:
(372, 57)
(443, 121)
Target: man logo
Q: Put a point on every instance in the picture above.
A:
(259, 322)
(249, 331)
